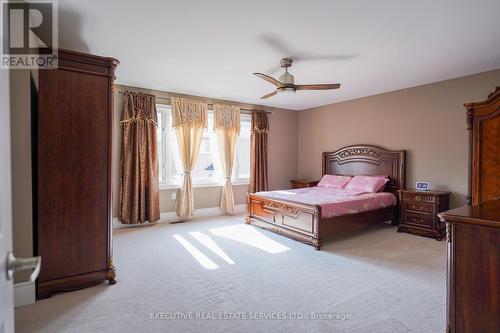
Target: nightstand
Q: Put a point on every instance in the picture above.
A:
(302, 183)
(419, 212)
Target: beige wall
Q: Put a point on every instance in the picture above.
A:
(428, 121)
(283, 141)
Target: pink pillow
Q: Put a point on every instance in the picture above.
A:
(334, 181)
(366, 183)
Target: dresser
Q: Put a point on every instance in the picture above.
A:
(73, 133)
(473, 232)
(419, 212)
(302, 183)
(473, 278)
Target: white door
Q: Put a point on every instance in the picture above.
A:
(6, 285)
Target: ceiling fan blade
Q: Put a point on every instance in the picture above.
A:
(277, 44)
(317, 86)
(269, 95)
(305, 57)
(269, 79)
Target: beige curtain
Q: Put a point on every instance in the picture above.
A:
(258, 152)
(227, 129)
(139, 190)
(188, 118)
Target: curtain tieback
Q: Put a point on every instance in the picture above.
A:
(187, 173)
(139, 120)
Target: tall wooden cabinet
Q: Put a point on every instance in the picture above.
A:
(473, 232)
(73, 173)
(483, 123)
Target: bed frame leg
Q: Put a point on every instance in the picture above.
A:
(395, 217)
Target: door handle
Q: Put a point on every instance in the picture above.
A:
(19, 264)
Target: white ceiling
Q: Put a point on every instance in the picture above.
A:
(211, 48)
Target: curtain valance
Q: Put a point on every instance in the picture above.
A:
(227, 117)
(260, 123)
(188, 113)
(139, 108)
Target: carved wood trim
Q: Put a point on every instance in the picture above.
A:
(361, 151)
(110, 263)
(469, 118)
(448, 232)
(491, 99)
(357, 156)
(282, 207)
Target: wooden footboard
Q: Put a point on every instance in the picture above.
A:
(298, 221)
(304, 222)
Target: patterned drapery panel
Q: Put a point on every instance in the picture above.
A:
(227, 129)
(188, 118)
(258, 153)
(139, 185)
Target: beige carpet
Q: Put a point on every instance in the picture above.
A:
(374, 281)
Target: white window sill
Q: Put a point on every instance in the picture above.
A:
(202, 185)
(241, 182)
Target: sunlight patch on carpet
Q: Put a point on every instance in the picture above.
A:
(210, 244)
(250, 236)
(197, 254)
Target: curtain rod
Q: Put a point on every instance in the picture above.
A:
(209, 105)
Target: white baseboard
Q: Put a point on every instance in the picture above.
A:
(171, 217)
(24, 294)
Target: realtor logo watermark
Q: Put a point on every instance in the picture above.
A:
(29, 34)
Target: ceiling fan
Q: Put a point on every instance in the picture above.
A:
(286, 82)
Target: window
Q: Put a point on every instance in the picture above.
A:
(207, 169)
(241, 169)
(166, 164)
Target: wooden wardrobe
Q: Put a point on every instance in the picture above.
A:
(473, 231)
(72, 163)
(483, 123)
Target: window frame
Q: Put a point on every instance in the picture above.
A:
(235, 177)
(168, 135)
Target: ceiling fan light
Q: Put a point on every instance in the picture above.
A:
(286, 90)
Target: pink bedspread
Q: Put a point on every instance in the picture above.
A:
(335, 202)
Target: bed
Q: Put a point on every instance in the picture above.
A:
(312, 216)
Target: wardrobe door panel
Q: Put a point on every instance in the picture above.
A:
(483, 121)
(72, 163)
(488, 173)
(72, 173)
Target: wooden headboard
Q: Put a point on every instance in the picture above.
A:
(367, 160)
